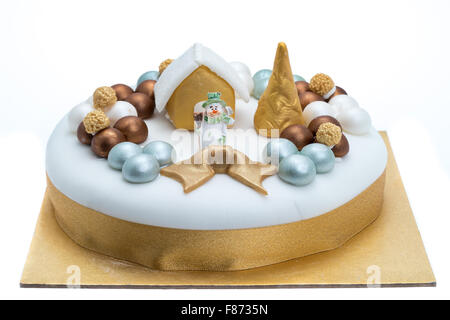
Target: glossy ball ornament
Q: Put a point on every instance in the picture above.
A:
(83, 136)
(150, 75)
(144, 105)
(163, 152)
(321, 155)
(308, 97)
(141, 168)
(339, 91)
(342, 148)
(298, 78)
(355, 121)
(77, 114)
(260, 87)
(262, 74)
(278, 149)
(316, 109)
(316, 122)
(147, 87)
(121, 153)
(297, 169)
(119, 110)
(105, 140)
(298, 134)
(122, 91)
(302, 87)
(343, 102)
(134, 129)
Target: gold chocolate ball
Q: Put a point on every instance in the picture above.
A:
(321, 84)
(329, 134)
(339, 91)
(147, 87)
(299, 135)
(308, 97)
(144, 105)
(95, 121)
(104, 98)
(105, 140)
(83, 136)
(134, 129)
(302, 86)
(122, 91)
(164, 65)
(316, 122)
(342, 148)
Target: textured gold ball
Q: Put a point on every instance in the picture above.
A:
(317, 122)
(105, 140)
(302, 87)
(164, 65)
(329, 134)
(308, 97)
(122, 91)
(147, 87)
(144, 105)
(104, 98)
(321, 84)
(95, 121)
(299, 135)
(342, 148)
(133, 128)
(83, 136)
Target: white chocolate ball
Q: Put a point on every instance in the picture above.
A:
(77, 114)
(119, 110)
(316, 109)
(343, 102)
(355, 121)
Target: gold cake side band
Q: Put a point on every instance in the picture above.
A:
(216, 250)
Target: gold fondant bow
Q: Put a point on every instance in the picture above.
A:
(203, 165)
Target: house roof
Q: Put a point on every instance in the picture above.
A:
(192, 59)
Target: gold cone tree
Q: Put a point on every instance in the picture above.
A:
(279, 106)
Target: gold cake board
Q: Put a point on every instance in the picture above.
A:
(388, 253)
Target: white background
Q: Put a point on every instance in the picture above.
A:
(392, 56)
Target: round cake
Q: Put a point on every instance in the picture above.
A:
(172, 214)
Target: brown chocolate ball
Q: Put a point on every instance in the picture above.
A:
(105, 140)
(299, 135)
(122, 91)
(133, 128)
(83, 136)
(316, 122)
(147, 87)
(342, 148)
(338, 92)
(144, 105)
(302, 86)
(308, 97)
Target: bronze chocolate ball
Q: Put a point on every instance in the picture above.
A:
(144, 105)
(147, 87)
(133, 128)
(105, 140)
(122, 91)
(299, 135)
(302, 86)
(342, 148)
(316, 122)
(338, 92)
(308, 97)
(83, 136)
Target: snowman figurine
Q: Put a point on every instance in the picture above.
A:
(214, 120)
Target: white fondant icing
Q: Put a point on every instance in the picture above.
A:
(88, 180)
(182, 67)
